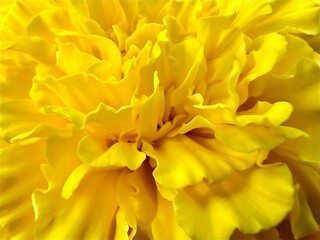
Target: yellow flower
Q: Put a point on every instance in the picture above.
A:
(159, 119)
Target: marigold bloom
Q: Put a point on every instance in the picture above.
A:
(159, 119)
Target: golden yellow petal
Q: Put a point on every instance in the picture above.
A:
(136, 193)
(294, 16)
(302, 92)
(183, 161)
(14, 126)
(243, 201)
(20, 175)
(164, 225)
(96, 153)
(16, 69)
(84, 215)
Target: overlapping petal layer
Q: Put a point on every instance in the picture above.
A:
(159, 119)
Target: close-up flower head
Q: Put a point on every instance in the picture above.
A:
(160, 119)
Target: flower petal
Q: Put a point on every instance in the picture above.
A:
(20, 175)
(61, 154)
(302, 220)
(249, 138)
(304, 85)
(266, 52)
(49, 21)
(295, 16)
(87, 92)
(264, 113)
(71, 60)
(13, 126)
(215, 211)
(136, 194)
(164, 225)
(16, 69)
(35, 47)
(89, 213)
(148, 125)
(106, 13)
(74, 180)
(118, 121)
(183, 161)
(121, 154)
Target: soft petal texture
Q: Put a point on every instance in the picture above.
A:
(20, 175)
(137, 199)
(148, 125)
(16, 69)
(120, 122)
(290, 16)
(183, 161)
(164, 225)
(13, 127)
(89, 213)
(121, 154)
(159, 119)
(304, 85)
(83, 86)
(304, 218)
(215, 211)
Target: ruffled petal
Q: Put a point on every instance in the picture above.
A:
(87, 92)
(118, 122)
(266, 52)
(89, 213)
(16, 69)
(34, 46)
(106, 13)
(71, 60)
(136, 194)
(13, 127)
(148, 125)
(20, 175)
(215, 211)
(62, 159)
(183, 161)
(17, 15)
(303, 222)
(97, 153)
(51, 21)
(303, 85)
(164, 225)
(294, 16)
(304, 218)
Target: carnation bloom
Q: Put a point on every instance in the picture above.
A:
(159, 119)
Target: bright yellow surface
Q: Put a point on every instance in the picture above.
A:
(141, 119)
